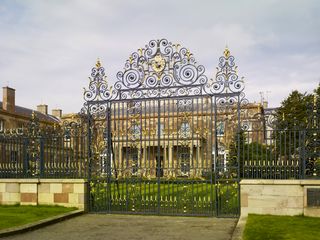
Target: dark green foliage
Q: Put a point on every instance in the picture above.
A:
(254, 152)
(293, 117)
(294, 111)
(238, 143)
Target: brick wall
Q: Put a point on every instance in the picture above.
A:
(64, 192)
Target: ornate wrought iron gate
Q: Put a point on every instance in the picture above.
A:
(155, 139)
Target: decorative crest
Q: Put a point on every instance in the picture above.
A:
(160, 69)
(163, 69)
(98, 86)
(227, 81)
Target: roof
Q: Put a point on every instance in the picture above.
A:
(26, 112)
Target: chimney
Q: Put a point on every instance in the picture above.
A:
(43, 108)
(57, 113)
(8, 100)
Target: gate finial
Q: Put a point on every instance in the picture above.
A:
(99, 89)
(227, 81)
(98, 64)
(226, 52)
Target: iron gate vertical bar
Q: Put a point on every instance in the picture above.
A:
(238, 154)
(215, 157)
(89, 200)
(303, 154)
(127, 154)
(25, 157)
(212, 160)
(159, 160)
(41, 167)
(108, 119)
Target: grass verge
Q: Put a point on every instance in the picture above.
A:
(17, 215)
(268, 227)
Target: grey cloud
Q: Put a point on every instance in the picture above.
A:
(47, 48)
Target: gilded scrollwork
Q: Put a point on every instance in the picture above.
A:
(227, 85)
(160, 69)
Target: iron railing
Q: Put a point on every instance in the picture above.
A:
(43, 157)
(36, 151)
(280, 154)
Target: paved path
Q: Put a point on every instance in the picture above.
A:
(121, 227)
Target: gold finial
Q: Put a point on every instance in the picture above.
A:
(188, 54)
(176, 46)
(226, 52)
(98, 64)
(33, 115)
(282, 116)
(314, 100)
(130, 59)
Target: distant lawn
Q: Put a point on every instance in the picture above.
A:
(179, 196)
(12, 216)
(268, 227)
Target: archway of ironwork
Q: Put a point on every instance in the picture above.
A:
(154, 144)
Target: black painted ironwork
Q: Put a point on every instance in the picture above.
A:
(273, 151)
(160, 147)
(312, 141)
(34, 151)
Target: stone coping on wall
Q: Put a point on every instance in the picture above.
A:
(305, 182)
(41, 180)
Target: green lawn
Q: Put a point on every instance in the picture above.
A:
(11, 216)
(268, 227)
(176, 197)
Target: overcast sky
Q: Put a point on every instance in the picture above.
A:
(47, 48)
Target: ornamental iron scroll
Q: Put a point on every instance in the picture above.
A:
(98, 86)
(227, 85)
(270, 115)
(164, 69)
(312, 141)
(160, 69)
(33, 148)
(98, 92)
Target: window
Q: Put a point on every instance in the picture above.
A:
(184, 159)
(67, 136)
(220, 128)
(136, 131)
(185, 129)
(161, 129)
